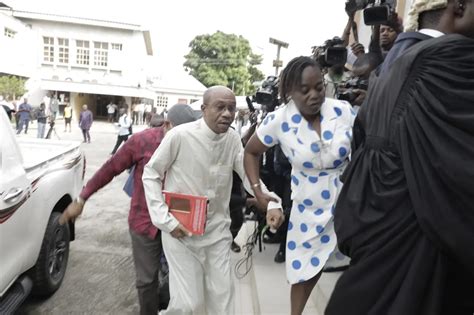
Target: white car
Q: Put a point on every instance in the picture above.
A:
(38, 180)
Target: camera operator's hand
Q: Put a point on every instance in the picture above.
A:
(275, 218)
(358, 49)
(361, 95)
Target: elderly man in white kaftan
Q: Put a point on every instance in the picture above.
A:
(198, 159)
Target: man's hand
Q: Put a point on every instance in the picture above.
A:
(180, 231)
(71, 213)
(357, 49)
(361, 95)
(275, 218)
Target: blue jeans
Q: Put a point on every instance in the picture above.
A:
(41, 130)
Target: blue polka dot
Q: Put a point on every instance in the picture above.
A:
(321, 118)
(336, 182)
(296, 264)
(291, 245)
(319, 212)
(290, 226)
(315, 261)
(310, 126)
(268, 139)
(338, 111)
(301, 280)
(327, 135)
(342, 152)
(308, 202)
(285, 127)
(303, 227)
(326, 194)
(301, 208)
(268, 118)
(325, 239)
(323, 174)
(295, 180)
(319, 229)
(353, 112)
(315, 148)
(313, 179)
(308, 165)
(349, 135)
(296, 118)
(337, 163)
(307, 245)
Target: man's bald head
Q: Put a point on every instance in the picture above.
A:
(218, 108)
(216, 91)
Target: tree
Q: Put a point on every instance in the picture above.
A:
(224, 59)
(12, 87)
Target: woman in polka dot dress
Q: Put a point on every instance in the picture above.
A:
(315, 134)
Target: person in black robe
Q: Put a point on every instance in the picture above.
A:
(405, 215)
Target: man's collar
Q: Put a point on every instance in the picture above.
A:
(209, 132)
(431, 32)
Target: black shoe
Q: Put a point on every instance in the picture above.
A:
(234, 247)
(279, 257)
(271, 238)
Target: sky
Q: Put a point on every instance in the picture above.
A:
(174, 23)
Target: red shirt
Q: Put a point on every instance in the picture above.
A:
(137, 150)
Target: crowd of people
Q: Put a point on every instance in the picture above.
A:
(378, 171)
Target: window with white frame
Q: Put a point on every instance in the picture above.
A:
(82, 52)
(9, 32)
(101, 52)
(48, 49)
(116, 46)
(63, 51)
(162, 101)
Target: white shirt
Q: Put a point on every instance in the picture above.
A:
(124, 124)
(431, 32)
(197, 161)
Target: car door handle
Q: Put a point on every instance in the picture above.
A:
(12, 194)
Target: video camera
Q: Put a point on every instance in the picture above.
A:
(348, 89)
(376, 12)
(267, 94)
(332, 53)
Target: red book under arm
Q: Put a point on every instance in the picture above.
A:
(189, 210)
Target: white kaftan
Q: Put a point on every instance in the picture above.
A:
(197, 161)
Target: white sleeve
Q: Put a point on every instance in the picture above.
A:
(267, 132)
(153, 176)
(239, 169)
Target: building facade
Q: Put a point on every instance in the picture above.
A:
(85, 61)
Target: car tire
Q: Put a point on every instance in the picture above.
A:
(50, 268)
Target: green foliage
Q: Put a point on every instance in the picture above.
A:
(224, 59)
(12, 87)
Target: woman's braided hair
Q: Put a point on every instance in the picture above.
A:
(290, 77)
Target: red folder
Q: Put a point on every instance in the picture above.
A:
(189, 210)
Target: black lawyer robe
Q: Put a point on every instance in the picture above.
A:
(406, 212)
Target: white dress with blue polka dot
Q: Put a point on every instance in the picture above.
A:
(317, 162)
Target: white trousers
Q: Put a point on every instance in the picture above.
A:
(200, 276)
